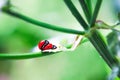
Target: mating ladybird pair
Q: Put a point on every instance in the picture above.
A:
(46, 45)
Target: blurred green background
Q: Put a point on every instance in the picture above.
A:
(19, 36)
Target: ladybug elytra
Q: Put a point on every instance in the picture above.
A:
(46, 45)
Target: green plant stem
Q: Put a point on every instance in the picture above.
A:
(42, 24)
(95, 38)
(95, 13)
(89, 5)
(6, 56)
(76, 14)
(99, 44)
(86, 10)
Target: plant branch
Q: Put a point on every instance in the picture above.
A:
(95, 13)
(5, 56)
(86, 10)
(42, 24)
(99, 44)
(76, 14)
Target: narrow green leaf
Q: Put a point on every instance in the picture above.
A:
(86, 10)
(95, 13)
(42, 24)
(76, 14)
(89, 5)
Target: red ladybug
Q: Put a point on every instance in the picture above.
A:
(45, 45)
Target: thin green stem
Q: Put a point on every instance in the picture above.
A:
(99, 44)
(76, 14)
(95, 13)
(5, 56)
(42, 24)
(89, 5)
(85, 10)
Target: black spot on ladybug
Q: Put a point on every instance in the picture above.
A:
(45, 44)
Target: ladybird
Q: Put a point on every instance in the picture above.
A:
(46, 45)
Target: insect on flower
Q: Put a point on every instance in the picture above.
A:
(46, 45)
